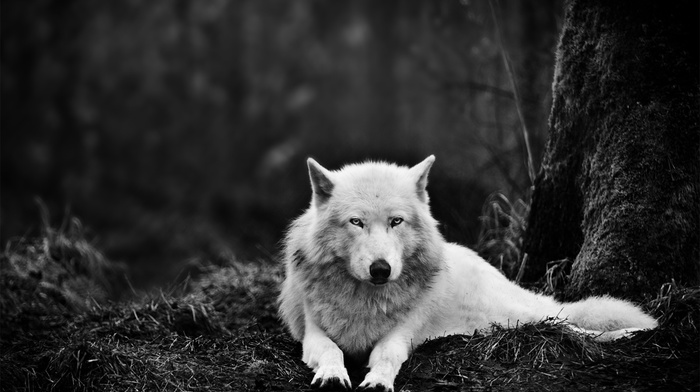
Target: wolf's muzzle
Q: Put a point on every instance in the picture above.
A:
(379, 270)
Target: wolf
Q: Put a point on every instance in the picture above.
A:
(369, 277)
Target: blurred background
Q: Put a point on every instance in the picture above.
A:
(178, 130)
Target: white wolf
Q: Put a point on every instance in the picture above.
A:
(368, 275)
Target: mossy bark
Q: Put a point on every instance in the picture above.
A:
(618, 192)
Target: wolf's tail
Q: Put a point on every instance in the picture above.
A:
(606, 317)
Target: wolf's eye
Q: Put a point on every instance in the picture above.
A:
(396, 221)
(356, 222)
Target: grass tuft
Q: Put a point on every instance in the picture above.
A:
(537, 344)
(677, 306)
(244, 293)
(59, 271)
(503, 224)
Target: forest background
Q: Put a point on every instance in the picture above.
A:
(177, 131)
(153, 152)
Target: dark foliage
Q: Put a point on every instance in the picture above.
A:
(179, 130)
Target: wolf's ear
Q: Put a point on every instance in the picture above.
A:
(420, 174)
(321, 184)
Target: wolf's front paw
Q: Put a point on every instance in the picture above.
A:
(331, 378)
(374, 382)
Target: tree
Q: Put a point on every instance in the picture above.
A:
(618, 191)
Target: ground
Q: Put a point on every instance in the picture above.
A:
(64, 328)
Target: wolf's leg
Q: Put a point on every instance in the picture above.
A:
(385, 361)
(324, 357)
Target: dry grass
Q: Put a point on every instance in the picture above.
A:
(550, 357)
(60, 269)
(160, 344)
(220, 332)
(503, 224)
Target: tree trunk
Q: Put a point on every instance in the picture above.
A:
(618, 190)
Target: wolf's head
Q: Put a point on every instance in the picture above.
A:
(375, 218)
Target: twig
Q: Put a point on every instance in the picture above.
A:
(128, 282)
(521, 270)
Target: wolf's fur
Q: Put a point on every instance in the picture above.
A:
(435, 288)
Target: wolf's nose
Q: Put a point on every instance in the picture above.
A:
(379, 270)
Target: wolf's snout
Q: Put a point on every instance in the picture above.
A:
(379, 270)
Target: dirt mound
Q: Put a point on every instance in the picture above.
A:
(221, 332)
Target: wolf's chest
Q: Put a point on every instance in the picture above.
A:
(355, 323)
(359, 332)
